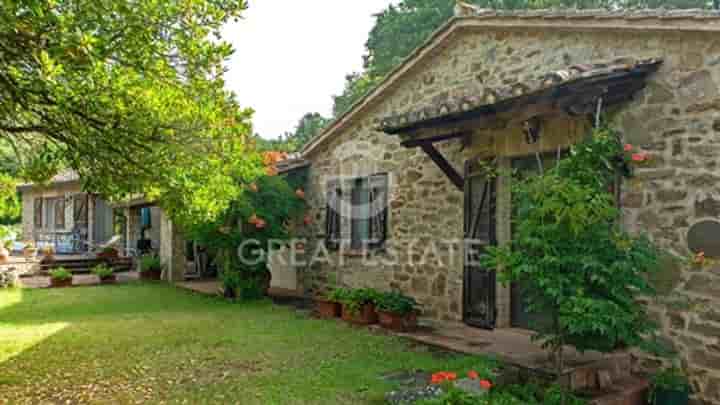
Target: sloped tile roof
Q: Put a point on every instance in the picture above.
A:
(470, 17)
(467, 10)
(579, 73)
(65, 176)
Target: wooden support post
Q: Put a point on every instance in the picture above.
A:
(444, 165)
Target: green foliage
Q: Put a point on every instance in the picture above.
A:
(397, 303)
(103, 271)
(670, 379)
(129, 94)
(354, 299)
(268, 210)
(356, 86)
(150, 263)
(576, 263)
(60, 274)
(10, 205)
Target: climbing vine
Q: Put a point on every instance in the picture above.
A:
(576, 264)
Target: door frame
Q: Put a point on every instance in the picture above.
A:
(489, 196)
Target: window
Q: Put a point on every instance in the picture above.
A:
(38, 213)
(145, 218)
(50, 213)
(80, 210)
(364, 200)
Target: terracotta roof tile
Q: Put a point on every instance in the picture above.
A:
(455, 105)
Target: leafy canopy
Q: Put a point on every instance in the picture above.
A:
(129, 94)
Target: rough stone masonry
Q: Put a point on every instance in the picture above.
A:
(676, 119)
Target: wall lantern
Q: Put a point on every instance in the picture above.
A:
(532, 129)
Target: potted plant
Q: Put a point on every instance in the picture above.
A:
(150, 268)
(30, 251)
(60, 277)
(328, 304)
(358, 306)
(670, 387)
(397, 312)
(5, 251)
(108, 253)
(48, 253)
(105, 273)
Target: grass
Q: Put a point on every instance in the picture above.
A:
(152, 343)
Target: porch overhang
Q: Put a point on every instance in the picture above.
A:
(572, 92)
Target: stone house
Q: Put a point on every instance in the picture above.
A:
(399, 172)
(73, 221)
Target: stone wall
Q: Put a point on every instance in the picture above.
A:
(676, 119)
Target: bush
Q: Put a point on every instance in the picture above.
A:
(60, 274)
(103, 271)
(569, 252)
(671, 379)
(354, 299)
(150, 263)
(396, 303)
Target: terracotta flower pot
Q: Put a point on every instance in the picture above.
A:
(398, 323)
(108, 280)
(30, 253)
(671, 397)
(55, 283)
(4, 255)
(109, 255)
(327, 309)
(151, 275)
(365, 316)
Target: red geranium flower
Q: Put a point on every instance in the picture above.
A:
(442, 377)
(639, 157)
(486, 384)
(473, 375)
(307, 220)
(628, 147)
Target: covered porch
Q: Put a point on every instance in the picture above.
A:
(523, 127)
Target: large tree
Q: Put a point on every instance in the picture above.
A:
(128, 93)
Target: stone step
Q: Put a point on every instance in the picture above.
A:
(599, 373)
(629, 391)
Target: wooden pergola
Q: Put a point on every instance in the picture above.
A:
(580, 90)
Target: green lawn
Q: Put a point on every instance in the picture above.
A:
(143, 343)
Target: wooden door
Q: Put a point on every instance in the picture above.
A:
(479, 287)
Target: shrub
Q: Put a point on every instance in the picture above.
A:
(103, 271)
(109, 250)
(671, 379)
(354, 299)
(576, 263)
(60, 274)
(396, 303)
(150, 263)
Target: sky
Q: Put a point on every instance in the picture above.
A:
(292, 56)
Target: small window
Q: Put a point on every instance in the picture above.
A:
(38, 213)
(146, 218)
(60, 213)
(368, 198)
